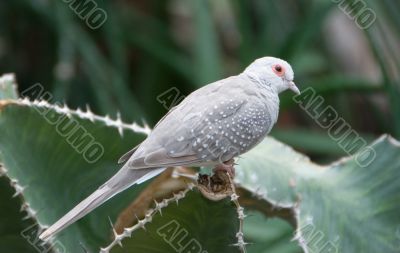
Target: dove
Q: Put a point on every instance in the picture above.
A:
(210, 127)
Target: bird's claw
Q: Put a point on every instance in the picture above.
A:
(227, 167)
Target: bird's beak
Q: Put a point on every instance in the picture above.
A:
(293, 87)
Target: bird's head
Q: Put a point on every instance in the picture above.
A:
(272, 72)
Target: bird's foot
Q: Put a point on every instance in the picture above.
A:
(215, 187)
(219, 185)
(227, 167)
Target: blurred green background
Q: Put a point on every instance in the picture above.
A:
(146, 47)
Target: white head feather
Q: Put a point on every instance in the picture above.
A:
(274, 72)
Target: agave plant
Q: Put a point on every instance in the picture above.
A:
(280, 201)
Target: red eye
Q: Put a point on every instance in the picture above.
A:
(278, 69)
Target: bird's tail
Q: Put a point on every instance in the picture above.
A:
(122, 180)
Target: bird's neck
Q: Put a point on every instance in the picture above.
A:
(266, 93)
(271, 102)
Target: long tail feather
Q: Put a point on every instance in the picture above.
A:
(122, 180)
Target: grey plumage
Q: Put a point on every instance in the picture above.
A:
(212, 125)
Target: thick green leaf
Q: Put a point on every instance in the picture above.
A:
(196, 224)
(56, 175)
(270, 169)
(14, 220)
(340, 207)
(11, 221)
(269, 235)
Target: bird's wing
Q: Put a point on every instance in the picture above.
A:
(128, 154)
(160, 158)
(183, 135)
